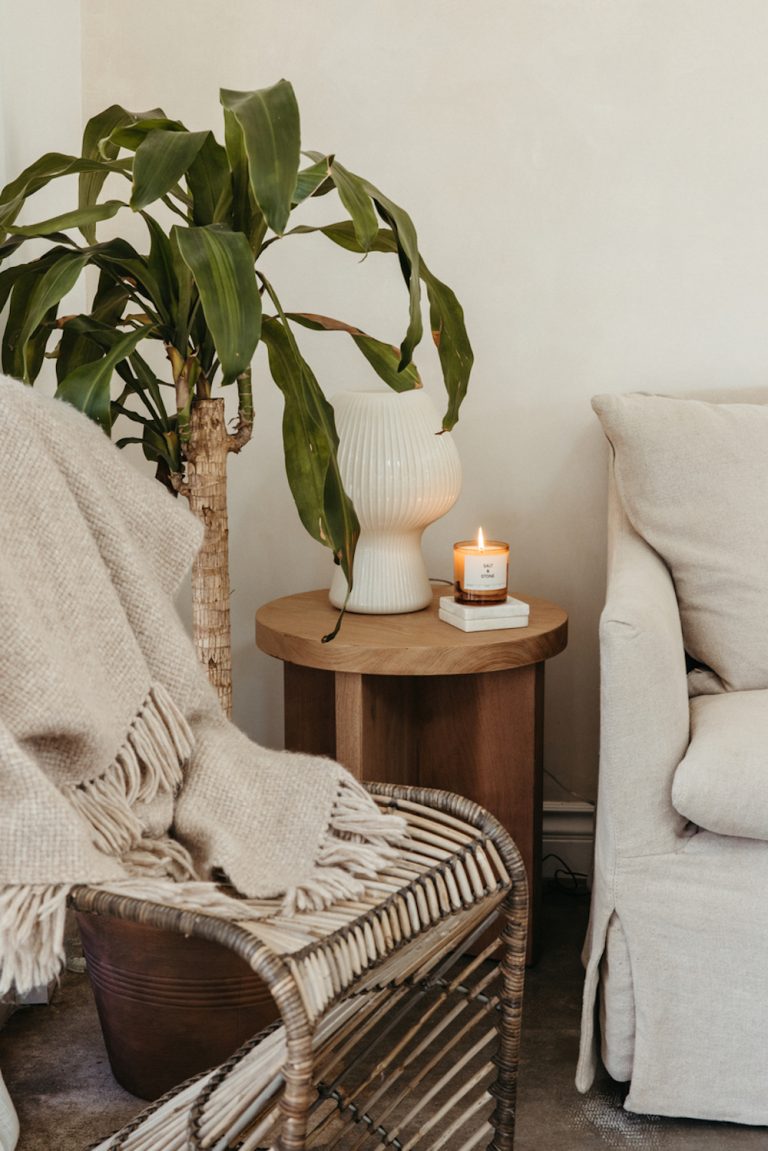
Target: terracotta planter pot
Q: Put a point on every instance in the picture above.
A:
(169, 1006)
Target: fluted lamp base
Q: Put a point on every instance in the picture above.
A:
(402, 473)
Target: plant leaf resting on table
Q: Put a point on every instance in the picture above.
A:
(199, 291)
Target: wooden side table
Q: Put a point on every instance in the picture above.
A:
(410, 699)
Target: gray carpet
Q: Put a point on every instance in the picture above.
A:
(56, 1069)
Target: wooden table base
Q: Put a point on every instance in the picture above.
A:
(479, 735)
(409, 699)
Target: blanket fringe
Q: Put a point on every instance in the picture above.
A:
(358, 843)
(158, 743)
(188, 895)
(150, 761)
(31, 935)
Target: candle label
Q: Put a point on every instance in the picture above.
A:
(484, 573)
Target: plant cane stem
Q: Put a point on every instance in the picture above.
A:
(206, 454)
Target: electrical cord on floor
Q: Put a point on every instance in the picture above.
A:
(576, 880)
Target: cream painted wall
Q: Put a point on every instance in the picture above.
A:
(40, 80)
(591, 177)
(40, 97)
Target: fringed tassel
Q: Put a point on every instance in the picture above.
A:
(31, 935)
(150, 761)
(157, 744)
(190, 895)
(359, 842)
(160, 858)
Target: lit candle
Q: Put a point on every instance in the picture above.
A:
(480, 570)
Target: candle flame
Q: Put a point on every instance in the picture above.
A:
(480, 538)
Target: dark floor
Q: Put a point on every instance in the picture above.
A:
(57, 1072)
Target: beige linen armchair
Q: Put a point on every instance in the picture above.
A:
(676, 989)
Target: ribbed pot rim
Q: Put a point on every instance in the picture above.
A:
(178, 992)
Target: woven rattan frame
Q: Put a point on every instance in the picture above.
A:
(421, 942)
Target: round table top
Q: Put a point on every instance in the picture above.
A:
(415, 643)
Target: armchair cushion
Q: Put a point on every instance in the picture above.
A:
(721, 784)
(693, 478)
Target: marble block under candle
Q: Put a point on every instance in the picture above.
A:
(484, 617)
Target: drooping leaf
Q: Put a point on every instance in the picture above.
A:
(35, 295)
(85, 338)
(269, 122)
(9, 246)
(446, 317)
(89, 386)
(98, 148)
(355, 196)
(162, 445)
(161, 159)
(36, 345)
(313, 181)
(400, 238)
(125, 265)
(408, 254)
(51, 166)
(221, 263)
(453, 347)
(148, 387)
(133, 133)
(383, 357)
(310, 443)
(9, 276)
(84, 219)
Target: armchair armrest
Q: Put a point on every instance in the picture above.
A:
(644, 697)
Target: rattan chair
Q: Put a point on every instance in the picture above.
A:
(399, 1013)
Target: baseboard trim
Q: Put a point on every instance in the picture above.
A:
(568, 831)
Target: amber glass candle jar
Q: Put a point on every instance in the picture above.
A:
(480, 570)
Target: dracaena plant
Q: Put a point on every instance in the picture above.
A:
(196, 289)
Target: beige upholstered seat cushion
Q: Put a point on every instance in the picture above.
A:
(693, 478)
(722, 782)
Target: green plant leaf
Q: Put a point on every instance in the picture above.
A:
(89, 386)
(247, 216)
(161, 268)
(148, 387)
(133, 132)
(97, 146)
(83, 218)
(9, 276)
(310, 441)
(313, 181)
(269, 122)
(355, 195)
(209, 183)
(52, 166)
(85, 338)
(221, 263)
(161, 159)
(383, 357)
(34, 296)
(125, 265)
(453, 347)
(446, 317)
(400, 238)
(408, 254)
(9, 246)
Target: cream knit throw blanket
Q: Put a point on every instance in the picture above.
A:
(117, 766)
